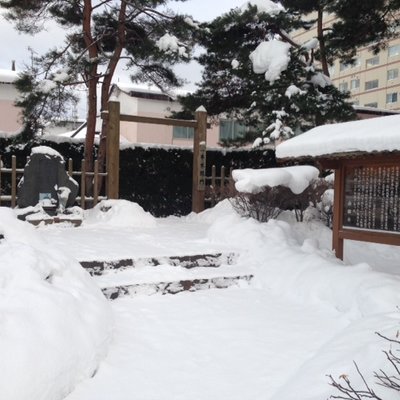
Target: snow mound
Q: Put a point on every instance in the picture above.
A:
(296, 178)
(303, 271)
(55, 324)
(208, 216)
(119, 213)
(271, 58)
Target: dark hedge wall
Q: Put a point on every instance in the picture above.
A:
(159, 179)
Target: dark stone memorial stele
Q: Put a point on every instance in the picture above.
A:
(44, 173)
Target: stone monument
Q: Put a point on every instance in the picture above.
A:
(45, 182)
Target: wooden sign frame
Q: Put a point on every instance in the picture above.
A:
(340, 230)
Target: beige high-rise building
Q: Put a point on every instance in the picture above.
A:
(372, 80)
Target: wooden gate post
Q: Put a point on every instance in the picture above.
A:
(199, 160)
(337, 241)
(112, 157)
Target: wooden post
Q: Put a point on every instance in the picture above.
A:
(112, 157)
(213, 188)
(70, 167)
(199, 160)
(95, 182)
(337, 241)
(13, 181)
(83, 184)
(213, 176)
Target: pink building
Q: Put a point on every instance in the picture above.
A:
(153, 103)
(10, 115)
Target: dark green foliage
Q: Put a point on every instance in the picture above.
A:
(359, 23)
(364, 23)
(158, 179)
(241, 94)
(98, 35)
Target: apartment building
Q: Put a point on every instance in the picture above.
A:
(372, 80)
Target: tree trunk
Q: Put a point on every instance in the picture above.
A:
(92, 80)
(105, 89)
(321, 39)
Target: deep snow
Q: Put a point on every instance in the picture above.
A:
(305, 314)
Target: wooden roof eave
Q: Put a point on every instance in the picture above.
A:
(334, 160)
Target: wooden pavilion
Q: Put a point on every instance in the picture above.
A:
(365, 156)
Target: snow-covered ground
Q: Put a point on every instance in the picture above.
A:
(305, 314)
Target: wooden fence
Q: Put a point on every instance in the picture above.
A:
(218, 186)
(83, 200)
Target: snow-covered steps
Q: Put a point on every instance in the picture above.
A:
(213, 260)
(168, 274)
(175, 287)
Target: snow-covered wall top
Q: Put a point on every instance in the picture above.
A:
(368, 135)
(7, 76)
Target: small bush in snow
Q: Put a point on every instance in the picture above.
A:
(262, 206)
(269, 203)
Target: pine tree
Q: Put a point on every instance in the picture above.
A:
(98, 35)
(299, 98)
(363, 23)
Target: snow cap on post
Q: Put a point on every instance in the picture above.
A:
(201, 109)
(113, 97)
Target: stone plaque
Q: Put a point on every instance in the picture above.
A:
(372, 198)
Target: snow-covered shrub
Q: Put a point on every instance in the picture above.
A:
(262, 206)
(55, 324)
(325, 207)
(270, 202)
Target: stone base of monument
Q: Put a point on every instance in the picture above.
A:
(42, 217)
(55, 220)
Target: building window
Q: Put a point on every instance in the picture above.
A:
(369, 85)
(392, 74)
(331, 70)
(343, 87)
(355, 63)
(231, 129)
(182, 132)
(391, 98)
(343, 66)
(354, 84)
(370, 62)
(356, 102)
(373, 105)
(394, 50)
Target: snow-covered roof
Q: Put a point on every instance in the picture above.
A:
(8, 76)
(374, 110)
(380, 134)
(150, 90)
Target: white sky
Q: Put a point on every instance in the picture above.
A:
(15, 46)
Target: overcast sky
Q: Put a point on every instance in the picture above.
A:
(15, 46)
